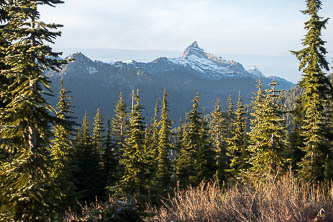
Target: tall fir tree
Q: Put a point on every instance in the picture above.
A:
(155, 125)
(188, 166)
(151, 150)
(88, 178)
(237, 144)
(294, 152)
(152, 136)
(229, 118)
(110, 159)
(133, 183)
(119, 132)
(329, 163)
(162, 180)
(267, 136)
(62, 149)
(180, 136)
(205, 157)
(27, 192)
(179, 148)
(218, 136)
(98, 137)
(314, 100)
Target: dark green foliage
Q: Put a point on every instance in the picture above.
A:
(187, 158)
(237, 144)
(152, 137)
(267, 136)
(151, 148)
(98, 138)
(328, 160)
(4, 43)
(110, 159)
(194, 158)
(88, 177)
(218, 137)
(294, 152)
(120, 122)
(162, 179)
(133, 184)
(27, 190)
(43, 171)
(120, 130)
(180, 137)
(314, 101)
(62, 150)
(179, 146)
(206, 156)
(229, 118)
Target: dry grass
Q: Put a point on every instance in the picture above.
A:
(284, 200)
(112, 211)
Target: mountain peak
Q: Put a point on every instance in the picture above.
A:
(255, 71)
(194, 49)
(194, 45)
(79, 56)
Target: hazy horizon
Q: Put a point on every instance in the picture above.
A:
(252, 32)
(287, 66)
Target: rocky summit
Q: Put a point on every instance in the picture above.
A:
(97, 84)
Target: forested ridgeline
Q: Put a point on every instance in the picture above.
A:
(49, 163)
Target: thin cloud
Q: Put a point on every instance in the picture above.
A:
(243, 27)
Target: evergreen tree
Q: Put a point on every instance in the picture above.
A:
(88, 177)
(162, 179)
(179, 147)
(27, 191)
(329, 163)
(98, 138)
(189, 169)
(120, 128)
(180, 137)
(151, 146)
(237, 145)
(229, 118)
(294, 152)
(133, 183)
(206, 166)
(4, 43)
(218, 137)
(155, 130)
(62, 144)
(314, 100)
(152, 137)
(62, 149)
(268, 135)
(110, 159)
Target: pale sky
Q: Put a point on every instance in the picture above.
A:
(253, 32)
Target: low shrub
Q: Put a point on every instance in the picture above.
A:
(110, 211)
(284, 200)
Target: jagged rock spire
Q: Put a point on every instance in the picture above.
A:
(194, 49)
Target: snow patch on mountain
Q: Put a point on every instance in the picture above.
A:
(255, 71)
(92, 70)
(128, 61)
(194, 61)
(207, 65)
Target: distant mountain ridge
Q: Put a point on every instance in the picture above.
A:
(195, 71)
